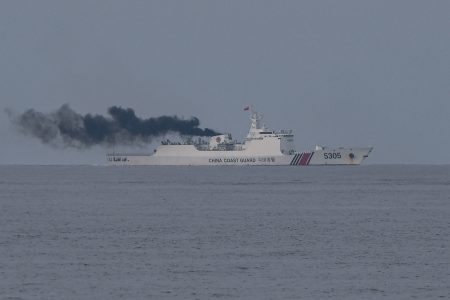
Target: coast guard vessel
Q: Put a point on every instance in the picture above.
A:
(262, 146)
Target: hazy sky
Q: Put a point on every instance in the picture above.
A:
(343, 73)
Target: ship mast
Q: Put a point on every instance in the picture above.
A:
(256, 125)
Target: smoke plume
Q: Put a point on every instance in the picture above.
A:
(67, 128)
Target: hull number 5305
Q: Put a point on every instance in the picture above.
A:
(334, 155)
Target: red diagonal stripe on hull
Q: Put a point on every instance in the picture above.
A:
(305, 158)
(312, 153)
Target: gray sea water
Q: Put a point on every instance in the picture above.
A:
(86, 232)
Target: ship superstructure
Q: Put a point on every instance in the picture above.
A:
(262, 146)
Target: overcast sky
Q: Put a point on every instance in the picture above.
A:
(343, 73)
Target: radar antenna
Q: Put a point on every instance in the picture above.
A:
(256, 125)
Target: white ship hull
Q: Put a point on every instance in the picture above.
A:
(338, 156)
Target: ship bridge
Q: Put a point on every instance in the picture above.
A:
(260, 138)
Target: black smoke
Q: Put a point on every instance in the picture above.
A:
(67, 128)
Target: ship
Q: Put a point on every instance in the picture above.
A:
(261, 147)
